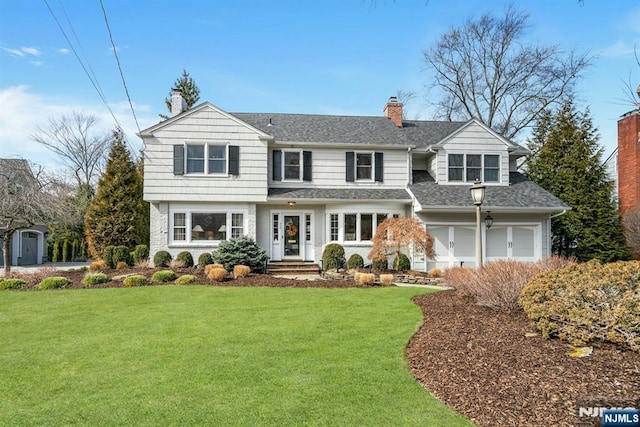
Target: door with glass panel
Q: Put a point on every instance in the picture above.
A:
(292, 236)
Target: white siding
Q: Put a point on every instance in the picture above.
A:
(328, 168)
(205, 126)
(473, 140)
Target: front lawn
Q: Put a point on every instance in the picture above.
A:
(194, 355)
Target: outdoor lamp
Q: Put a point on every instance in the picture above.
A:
(488, 220)
(477, 193)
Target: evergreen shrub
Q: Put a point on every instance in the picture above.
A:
(185, 279)
(402, 263)
(380, 264)
(54, 282)
(240, 251)
(122, 253)
(107, 256)
(11, 284)
(587, 302)
(94, 278)
(185, 258)
(355, 261)
(162, 259)
(163, 276)
(135, 280)
(98, 265)
(140, 253)
(333, 256)
(205, 259)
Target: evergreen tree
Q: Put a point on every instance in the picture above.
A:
(113, 217)
(187, 87)
(71, 227)
(566, 160)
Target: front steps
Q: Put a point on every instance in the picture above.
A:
(293, 267)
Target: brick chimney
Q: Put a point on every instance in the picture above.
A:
(178, 104)
(393, 111)
(629, 161)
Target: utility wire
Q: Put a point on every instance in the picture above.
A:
(93, 82)
(115, 53)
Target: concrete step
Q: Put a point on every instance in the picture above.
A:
(293, 267)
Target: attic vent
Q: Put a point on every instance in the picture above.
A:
(270, 123)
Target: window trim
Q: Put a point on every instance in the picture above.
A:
(188, 217)
(338, 228)
(377, 166)
(231, 159)
(305, 158)
(464, 167)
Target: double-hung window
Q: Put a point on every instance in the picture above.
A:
(206, 159)
(356, 227)
(474, 167)
(364, 166)
(292, 165)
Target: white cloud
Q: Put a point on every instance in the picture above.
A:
(63, 51)
(31, 51)
(24, 111)
(14, 52)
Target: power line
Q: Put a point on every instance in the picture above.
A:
(115, 53)
(94, 82)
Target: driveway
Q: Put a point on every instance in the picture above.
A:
(56, 265)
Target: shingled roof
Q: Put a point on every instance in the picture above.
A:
(338, 194)
(520, 193)
(368, 130)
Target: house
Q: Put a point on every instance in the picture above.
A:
(627, 158)
(28, 245)
(296, 182)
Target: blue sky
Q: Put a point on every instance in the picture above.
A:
(315, 56)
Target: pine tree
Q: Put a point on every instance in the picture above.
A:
(113, 217)
(187, 87)
(566, 160)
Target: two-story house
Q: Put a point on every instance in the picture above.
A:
(296, 182)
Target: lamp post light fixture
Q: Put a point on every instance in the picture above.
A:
(477, 195)
(488, 220)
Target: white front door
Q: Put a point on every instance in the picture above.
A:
(291, 236)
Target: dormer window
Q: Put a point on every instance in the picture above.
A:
(474, 167)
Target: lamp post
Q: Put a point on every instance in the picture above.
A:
(477, 195)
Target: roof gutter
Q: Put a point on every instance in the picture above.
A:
(559, 214)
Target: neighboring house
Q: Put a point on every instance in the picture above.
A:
(28, 246)
(296, 182)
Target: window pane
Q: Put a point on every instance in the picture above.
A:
(195, 158)
(217, 159)
(455, 174)
(307, 227)
(334, 227)
(237, 225)
(213, 225)
(491, 175)
(179, 228)
(456, 167)
(491, 161)
(474, 160)
(473, 174)
(380, 217)
(350, 227)
(291, 165)
(456, 160)
(276, 228)
(366, 226)
(363, 166)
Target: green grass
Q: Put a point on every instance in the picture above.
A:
(194, 355)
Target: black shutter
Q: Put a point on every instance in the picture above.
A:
(379, 167)
(178, 159)
(350, 169)
(234, 160)
(306, 166)
(277, 165)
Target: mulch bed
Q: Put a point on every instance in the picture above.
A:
(482, 363)
(487, 366)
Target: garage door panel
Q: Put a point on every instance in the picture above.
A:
(464, 242)
(497, 242)
(523, 239)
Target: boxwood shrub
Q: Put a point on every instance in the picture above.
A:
(185, 258)
(402, 263)
(11, 284)
(140, 253)
(185, 279)
(333, 256)
(205, 259)
(162, 259)
(135, 280)
(94, 278)
(355, 261)
(163, 276)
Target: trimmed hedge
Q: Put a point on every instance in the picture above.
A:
(163, 276)
(54, 282)
(185, 279)
(333, 256)
(11, 284)
(94, 278)
(162, 259)
(402, 264)
(135, 280)
(185, 258)
(205, 259)
(587, 302)
(355, 261)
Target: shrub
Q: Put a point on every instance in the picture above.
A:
(356, 276)
(434, 272)
(54, 282)
(135, 280)
(241, 251)
(380, 264)
(386, 279)
(587, 302)
(366, 278)
(162, 259)
(121, 265)
(107, 256)
(333, 256)
(163, 276)
(355, 261)
(204, 260)
(186, 258)
(140, 253)
(97, 265)
(241, 271)
(122, 254)
(11, 284)
(218, 274)
(402, 263)
(185, 279)
(210, 267)
(94, 278)
(174, 263)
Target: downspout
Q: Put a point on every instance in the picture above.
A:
(564, 211)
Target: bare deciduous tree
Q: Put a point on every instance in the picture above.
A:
(631, 227)
(25, 200)
(485, 70)
(74, 139)
(394, 235)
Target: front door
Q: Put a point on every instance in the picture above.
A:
(292, 236)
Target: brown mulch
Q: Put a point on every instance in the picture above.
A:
(482, 363)
(487, 366)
